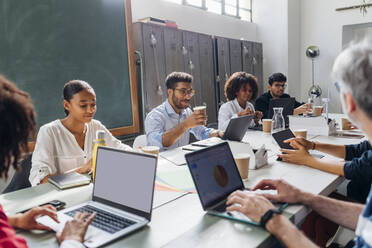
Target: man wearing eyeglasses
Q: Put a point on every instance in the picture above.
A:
(277, 85)
(353, 70)
(169, 125)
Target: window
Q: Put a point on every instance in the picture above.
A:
(241, 9)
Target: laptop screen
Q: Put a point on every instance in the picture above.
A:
(214, 173)
(125, 178)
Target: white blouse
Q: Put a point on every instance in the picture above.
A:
(230, 110)
(57, 151)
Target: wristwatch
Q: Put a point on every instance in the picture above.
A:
(268, 215)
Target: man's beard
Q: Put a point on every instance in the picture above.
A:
(177, 103)
(278, 95)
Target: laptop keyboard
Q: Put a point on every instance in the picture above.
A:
(104, 220)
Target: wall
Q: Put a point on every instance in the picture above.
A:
(294, 52)
(271, 18)
(321, 25)
(194, 19)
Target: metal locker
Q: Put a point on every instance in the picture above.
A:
(173, 50)
(154, 66)
(207, 76)
(257, 62)
(247, 56)
(223, 66)
(236, 63)
(190, 52)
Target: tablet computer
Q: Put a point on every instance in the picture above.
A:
(281, 136)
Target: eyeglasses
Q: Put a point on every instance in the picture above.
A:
(185, 92)
(337, 85)
(280, 85)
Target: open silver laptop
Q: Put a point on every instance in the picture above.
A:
(122, 196)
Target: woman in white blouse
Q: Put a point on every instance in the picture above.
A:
(66, 144)
(240, 91)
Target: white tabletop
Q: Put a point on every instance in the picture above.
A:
(182, 222)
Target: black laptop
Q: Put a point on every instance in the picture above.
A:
(286, 103)
(237, 128)
(216, 176)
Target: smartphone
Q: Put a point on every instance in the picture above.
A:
(281, 136)
(55, 203)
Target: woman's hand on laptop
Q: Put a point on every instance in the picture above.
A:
(248, 203)
(27, 220)
(286, 192)
(76, 228)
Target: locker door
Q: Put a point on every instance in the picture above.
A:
(207, 76)
(236, 63)
(154, 69)
(258, 66)
(173, 50)
(191, 63)
(247, 55)
(223, 66)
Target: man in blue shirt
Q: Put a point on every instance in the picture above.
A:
(169, 125)
(353, 72)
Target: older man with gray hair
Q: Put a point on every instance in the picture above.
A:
(353, 72)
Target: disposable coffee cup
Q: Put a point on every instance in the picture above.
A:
(266, 125)
(300, 133)
(151, 149)
(242, 162)
(201, 109)
(345, 123)
(317, 110)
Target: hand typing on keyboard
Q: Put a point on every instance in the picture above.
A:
(76, 228)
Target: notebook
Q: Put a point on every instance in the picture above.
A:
(69, 180)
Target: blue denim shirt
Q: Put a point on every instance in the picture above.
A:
(363, 230)
(164, 118)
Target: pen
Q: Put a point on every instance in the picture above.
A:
(188, 149)
(200, 145)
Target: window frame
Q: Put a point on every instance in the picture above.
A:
(223, 5)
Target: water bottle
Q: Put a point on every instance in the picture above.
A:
(278, 120)
(99, 141)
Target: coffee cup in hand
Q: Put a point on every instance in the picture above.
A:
(201, 110)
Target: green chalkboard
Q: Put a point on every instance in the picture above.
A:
(46, 43)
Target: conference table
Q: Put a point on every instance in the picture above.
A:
(178, 219)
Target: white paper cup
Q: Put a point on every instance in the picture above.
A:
(242, 162)
(300, 133)
(266, 125)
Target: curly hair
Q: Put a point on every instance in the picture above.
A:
(17, 124)
(238, 80)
